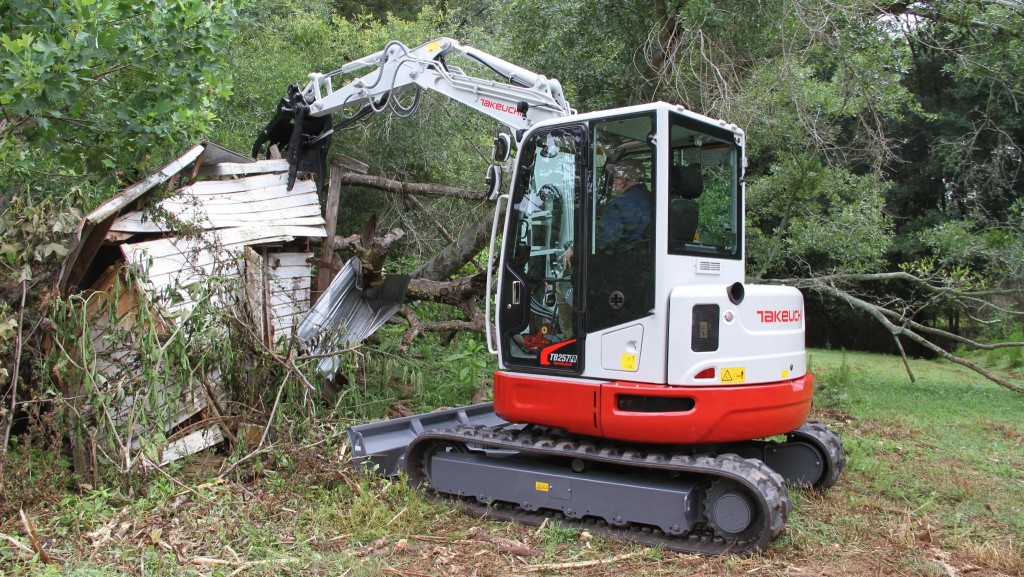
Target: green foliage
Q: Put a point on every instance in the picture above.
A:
(452, 380)
(991, 253)
(831, 385)
(92, 87)
(443, 142)
(471, 362)
(555, 534)
(33, 240)
(125, 369)
(817, 217)
(91, 93)
(34, 233)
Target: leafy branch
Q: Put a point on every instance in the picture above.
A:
(897, 316)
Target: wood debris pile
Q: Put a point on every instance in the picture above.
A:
(145, 257)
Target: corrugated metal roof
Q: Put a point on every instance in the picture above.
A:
(345, 315)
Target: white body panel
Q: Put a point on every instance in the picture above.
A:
(762, 343)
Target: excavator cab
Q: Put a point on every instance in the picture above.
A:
(621, 308)
(600, 208)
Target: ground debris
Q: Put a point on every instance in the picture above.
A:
(943, 558)
(505, 545)
(398, 410)
(115, 527)
(378, 548)
(579, 564)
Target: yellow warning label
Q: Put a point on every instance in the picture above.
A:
(628, 362)
(433, 46)
(542, 487)
(734, 375)
(785, 374)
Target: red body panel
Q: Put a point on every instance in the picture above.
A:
(720, 414)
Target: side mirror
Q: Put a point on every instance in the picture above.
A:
(493, 182)
(502, 147)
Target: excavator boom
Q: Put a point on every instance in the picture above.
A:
(303, 123)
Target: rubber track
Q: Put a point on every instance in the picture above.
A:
(766, 486)
(829, 443)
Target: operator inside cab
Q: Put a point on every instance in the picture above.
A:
(625, 220)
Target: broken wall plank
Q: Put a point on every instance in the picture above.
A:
(288, 289)
(223, 239)
(273, 206)
(235, 168)
(191, 444)
(115, 204)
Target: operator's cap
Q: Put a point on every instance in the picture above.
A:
(630, 169)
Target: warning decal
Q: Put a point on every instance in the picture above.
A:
(628, 362)
(734, 375)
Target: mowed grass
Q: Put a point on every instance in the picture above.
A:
(935, 477)
(934, 487)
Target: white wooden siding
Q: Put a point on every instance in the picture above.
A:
(245, 202)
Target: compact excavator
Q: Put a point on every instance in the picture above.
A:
(645, 390)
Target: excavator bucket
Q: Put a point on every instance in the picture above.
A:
(304, 139)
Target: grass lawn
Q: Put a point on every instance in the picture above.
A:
(934, 486)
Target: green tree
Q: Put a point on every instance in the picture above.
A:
(94, 87)
(442, 142)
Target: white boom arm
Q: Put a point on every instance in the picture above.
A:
(527, 99)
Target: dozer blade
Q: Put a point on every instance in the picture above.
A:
(382, 445)
(304, 139)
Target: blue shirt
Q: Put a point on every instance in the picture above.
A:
(625, 219)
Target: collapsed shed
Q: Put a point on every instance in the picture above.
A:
(211, 218)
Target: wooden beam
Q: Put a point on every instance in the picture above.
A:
(349, 164)
(325, 274)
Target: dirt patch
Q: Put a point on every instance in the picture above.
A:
(830, 415)
(1013, 434)
(893, 430)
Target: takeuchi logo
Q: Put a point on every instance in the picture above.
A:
(507, 108)
(793, 316)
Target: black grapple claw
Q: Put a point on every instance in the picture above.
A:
(304, 139)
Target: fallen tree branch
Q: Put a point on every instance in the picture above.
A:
(504, 545)
(896, 315)
(579, 564)
(212, 562)
(406, 188)
(452, 293)
(21, 547)
(30, 530)
(879, 314)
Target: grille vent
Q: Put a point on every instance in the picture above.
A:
(704, 334)
(708, 267)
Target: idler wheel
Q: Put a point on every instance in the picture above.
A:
(729, 510)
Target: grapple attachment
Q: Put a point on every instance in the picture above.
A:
(304, 139)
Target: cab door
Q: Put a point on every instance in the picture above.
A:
(539, 320)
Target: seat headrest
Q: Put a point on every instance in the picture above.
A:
(686, 182)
